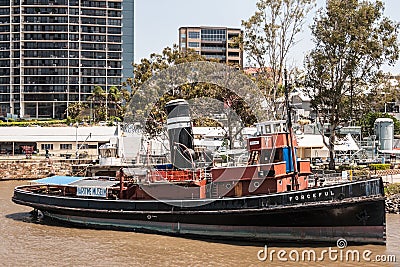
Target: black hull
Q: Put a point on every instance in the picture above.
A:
(354, 211)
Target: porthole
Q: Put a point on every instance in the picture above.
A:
(256, 184)
(228, 186)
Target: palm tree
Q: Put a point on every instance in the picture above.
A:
(97, 97)
(114, 97)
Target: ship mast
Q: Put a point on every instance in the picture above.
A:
(289, 126)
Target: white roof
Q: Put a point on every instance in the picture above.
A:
(297, 92)
(208, 143)
(383, 120)
(209, 131)
(393, 151)
(300, 93)
(216, 133)
(346, 144)
(310, 141)
(57, 134)
(249, 131)
(316, 141)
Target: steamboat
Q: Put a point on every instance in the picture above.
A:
(269, 199)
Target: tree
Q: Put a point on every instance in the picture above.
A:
(97, 104)
(268, 37)
(352, 41)
(117, 101)
(384, 95)
(157, 63)
(75, 111)
(144, 71)
(114, 107)
(381, 94)
(367, 122)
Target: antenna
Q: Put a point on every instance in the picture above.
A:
(292, 155)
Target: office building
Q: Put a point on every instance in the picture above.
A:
(54, 52)
(212, 42)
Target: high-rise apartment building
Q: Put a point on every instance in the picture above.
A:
(212, 42)
(128, 37)
(53, 53)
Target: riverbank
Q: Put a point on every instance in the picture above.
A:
(392, 203)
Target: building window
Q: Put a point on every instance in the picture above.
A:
(65, 146)
(83, 146)
(183, 35)
(194, 44)
(213, 35)
(183, 45)
(194, 35)
(47, 146)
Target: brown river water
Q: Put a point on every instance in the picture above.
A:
(24, 243)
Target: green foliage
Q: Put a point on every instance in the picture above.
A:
(224, 158)
(379, 166)
(32, 123)
(361, 172)
(382, 94)
(206, 122)
(69, 120)
(158, 62)
(392, 189)
(100, 113)
(368, 120)
(350, 167)
(115, 119)
(352, 41)
(95, 110)
(171, 57)
(76, 111)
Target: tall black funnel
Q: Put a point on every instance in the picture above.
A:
(180, 134)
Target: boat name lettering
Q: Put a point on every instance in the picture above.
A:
(91, 191)
(311, 196)
(252, 143)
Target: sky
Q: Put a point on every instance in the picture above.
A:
(157, 23)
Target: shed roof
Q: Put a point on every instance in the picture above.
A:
(347, 144)
(310, 140)
(315, 141)
(56, 134)
(206, 130)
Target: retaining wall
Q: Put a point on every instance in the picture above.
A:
(33, 169)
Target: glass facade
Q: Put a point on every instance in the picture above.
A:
(213, 35)
(53, 53)
(194, 44)
(194, 35)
